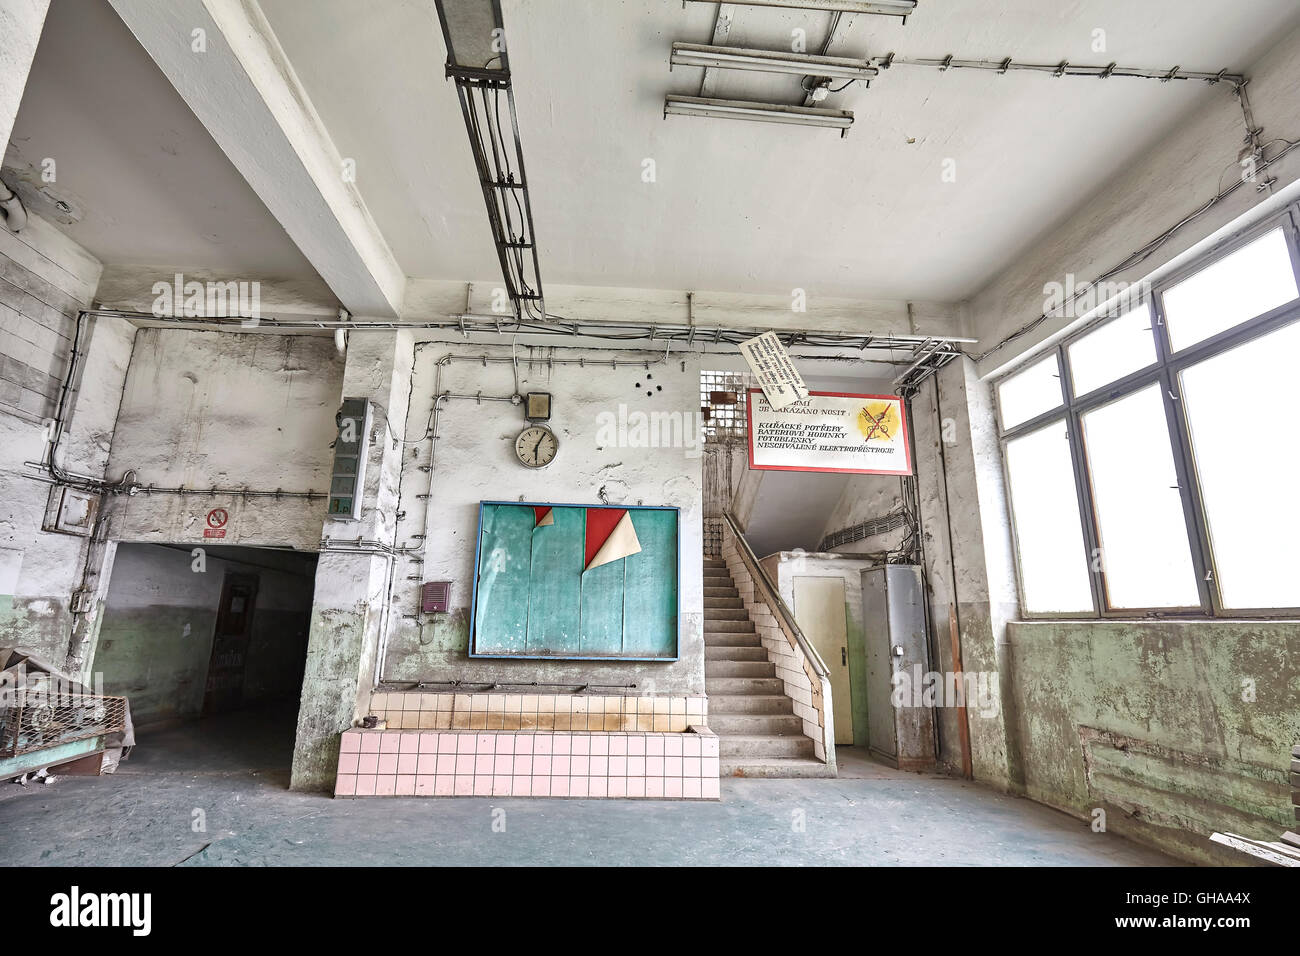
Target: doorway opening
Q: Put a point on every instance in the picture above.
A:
(209, 647)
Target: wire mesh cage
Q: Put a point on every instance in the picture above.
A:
(723, 397)
(37, 721)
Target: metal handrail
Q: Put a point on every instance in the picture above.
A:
(760, 577)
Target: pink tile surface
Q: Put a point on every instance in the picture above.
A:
(639, 765)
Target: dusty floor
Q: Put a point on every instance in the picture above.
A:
(187, 796)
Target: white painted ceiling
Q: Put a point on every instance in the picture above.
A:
(757, 207)
(736, 207)
(145, 180)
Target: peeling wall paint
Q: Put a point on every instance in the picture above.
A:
(204, 409)
(1150, 722)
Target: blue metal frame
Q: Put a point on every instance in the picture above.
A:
(478, 547)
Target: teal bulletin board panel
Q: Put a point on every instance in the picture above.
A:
(535, 598)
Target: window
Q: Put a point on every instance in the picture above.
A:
(1150, 468)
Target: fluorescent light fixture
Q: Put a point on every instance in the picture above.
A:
(757, 112)
(766, 61)
(891, 8)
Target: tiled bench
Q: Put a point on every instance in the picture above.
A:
(667, 766)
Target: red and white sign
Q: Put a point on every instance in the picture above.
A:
(830, 431)
(216, 522)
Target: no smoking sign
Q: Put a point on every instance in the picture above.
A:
(216, 523)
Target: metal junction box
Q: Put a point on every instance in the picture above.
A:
(893, 622)
(348, 478)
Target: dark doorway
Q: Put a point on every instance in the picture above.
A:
(210, 643)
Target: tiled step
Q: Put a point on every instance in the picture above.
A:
(729, 627)
(731, 639)
(739, 669)
(761, 745)
(743, 685)
(744, 652)
(756, 724)
(722, 704)
(773, 767)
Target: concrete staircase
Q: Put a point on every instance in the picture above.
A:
(759, 734)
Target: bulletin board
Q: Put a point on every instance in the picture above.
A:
(576, 582)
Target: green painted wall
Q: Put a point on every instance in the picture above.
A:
(1154, 722)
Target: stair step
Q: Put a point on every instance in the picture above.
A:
(728, 627)
(732, 639)
(738, 669)
(756, 725)
(743, 685)
(764, 745)
(726, 614)
(771, 767)
(742, 652)
(723, 704)
(727, 603)
(721, 592)
(715, 563)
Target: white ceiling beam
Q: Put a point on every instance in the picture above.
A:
(722, 27)
(239, 82)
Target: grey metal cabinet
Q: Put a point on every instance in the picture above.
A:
(893, 618)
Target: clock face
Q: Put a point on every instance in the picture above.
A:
(536, 446)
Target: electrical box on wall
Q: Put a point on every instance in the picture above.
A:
(435, 596)
(70, 511)
(348, 479)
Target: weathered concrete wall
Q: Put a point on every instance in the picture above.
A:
(241, 410)
(45, 279)
(476, 461)
(867, 497)
(1154, 722)
(155, 639)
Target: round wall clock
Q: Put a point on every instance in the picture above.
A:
(536, 446)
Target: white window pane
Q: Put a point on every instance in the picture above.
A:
(1247, 464)
(1120, 346)
(1045, 507)
(1031, 392)
(1255, 279)
(1143, 536)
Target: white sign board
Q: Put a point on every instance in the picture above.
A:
(772, 368)
(830, 431)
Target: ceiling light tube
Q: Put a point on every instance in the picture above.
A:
(892, 8)
(757, 112)
(768, 61)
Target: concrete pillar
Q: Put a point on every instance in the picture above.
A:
(969, 560)
(354, 582)
(20, 27)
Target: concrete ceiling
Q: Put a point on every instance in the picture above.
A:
(737, 207)
(145, 182)
(755, 207)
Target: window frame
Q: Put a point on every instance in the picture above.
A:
(1165, 370)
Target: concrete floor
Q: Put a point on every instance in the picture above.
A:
(235, 771)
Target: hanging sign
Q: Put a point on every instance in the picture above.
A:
(771, 365)
(830, 431)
